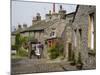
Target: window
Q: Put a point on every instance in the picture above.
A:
(52, 34)
(80, 32)
(75, 38)
(91, 32)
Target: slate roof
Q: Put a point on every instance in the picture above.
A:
(75, 13)
(17, 31)
(70, 14)
(39, 26)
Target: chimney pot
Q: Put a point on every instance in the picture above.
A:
(38, 17)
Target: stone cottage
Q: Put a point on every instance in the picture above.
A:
(79, 36)
(49, 30)
(84, 33)
(76, 30)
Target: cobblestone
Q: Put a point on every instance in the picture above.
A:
(37, 66)
(27, 66)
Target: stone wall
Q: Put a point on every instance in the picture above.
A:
(80, 24)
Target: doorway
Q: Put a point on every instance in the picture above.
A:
(69, 51)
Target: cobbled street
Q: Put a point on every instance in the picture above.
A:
(25, 66)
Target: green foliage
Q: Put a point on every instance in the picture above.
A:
(60, 49)
(22, 52)
(56, 51)
(13, 47)
(18, 41)
(24, 39)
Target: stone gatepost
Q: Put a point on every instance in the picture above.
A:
(29, 49)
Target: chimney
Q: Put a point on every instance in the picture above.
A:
(49, 11)
(34, 20)
(62, 13)
(53, 7)
(38, 17)
(60, 7)
(14, 29)
(24, 25)
(19, 26)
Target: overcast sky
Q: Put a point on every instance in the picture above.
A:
(24, 11)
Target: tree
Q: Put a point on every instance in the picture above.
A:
(18, 41)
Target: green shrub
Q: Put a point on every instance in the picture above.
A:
(56, 51)
(61, 49)
(53, 53)
(24, 39)
(22, 52)
(18, 41)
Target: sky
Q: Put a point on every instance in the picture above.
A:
(22, 12)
